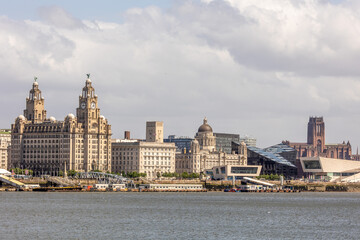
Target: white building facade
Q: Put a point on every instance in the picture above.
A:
(152, 157)
(5, 143)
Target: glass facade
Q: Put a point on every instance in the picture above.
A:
(247, 170)
(312, 165)
(181, 143)
(223, 141)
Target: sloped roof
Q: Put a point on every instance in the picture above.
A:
(275, 157)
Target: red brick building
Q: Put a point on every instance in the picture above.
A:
(315, 145)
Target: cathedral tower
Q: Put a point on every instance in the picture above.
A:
(316, 133)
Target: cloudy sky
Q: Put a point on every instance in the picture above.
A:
(251, 67)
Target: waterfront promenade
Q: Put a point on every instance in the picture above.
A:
(217, 186)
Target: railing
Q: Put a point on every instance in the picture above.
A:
(61, 181)
(11, 181)
(106, 178)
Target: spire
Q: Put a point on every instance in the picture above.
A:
(88, 78)
(205, 120)
(35, 83)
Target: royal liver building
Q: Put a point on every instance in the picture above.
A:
(48, 146)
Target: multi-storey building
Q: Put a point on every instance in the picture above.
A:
(5, 143)
(183, 144)
(249, 141)
(152, 157)
(203, 154)
(224, 140)
(315, 145)
(48, 146)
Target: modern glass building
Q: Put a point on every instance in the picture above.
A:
(272, 162)
(249, 141)
(223, 141)
(181, 143)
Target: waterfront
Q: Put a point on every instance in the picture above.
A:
(217, 215)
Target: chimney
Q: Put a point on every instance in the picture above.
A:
(127, 135)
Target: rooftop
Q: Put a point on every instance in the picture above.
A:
(271, 156)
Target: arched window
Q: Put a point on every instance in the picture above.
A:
(319, 150)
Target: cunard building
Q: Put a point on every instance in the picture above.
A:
(47, 146)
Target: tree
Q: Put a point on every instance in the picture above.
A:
(185, 175)
(20, 171)
(194, 175)
(61, 173)
(71, 173)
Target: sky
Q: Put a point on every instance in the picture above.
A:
(252, 67)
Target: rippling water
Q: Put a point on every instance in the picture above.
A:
(26, 215)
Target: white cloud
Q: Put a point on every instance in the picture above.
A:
(255, 67)
(58, 17)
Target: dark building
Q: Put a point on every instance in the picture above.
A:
(182, 143)
(278, 159)
(315, 145)
(223, 141)
(272, 163)
(283, 150)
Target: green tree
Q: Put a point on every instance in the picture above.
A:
(185, 175)
(20, 171)
(71, 173)
(194, 175)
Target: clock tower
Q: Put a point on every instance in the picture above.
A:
(88, 112)
(35, 111)
(96, 130)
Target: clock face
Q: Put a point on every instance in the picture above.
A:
(93, 105)
(83, 105)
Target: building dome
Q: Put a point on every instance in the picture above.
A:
(205, 127)
(71, 116)
(52, 119)
(21, 117)
(102, 117)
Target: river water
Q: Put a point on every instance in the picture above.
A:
(27, 215)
